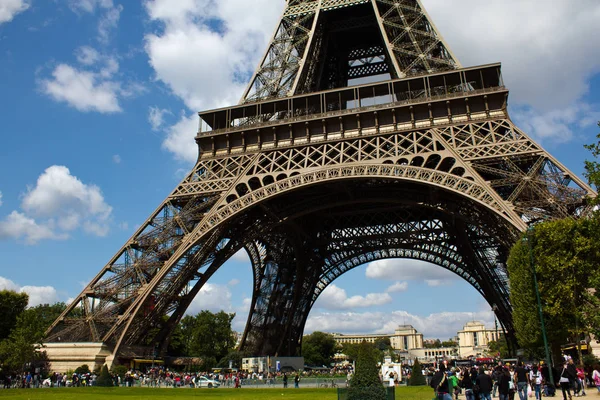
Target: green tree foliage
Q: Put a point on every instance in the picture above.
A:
(365, 383)
(498, 348)
(566, 256)
(104, 380)
(12, 304)
(83, 369)
(416, 376)
(435, 345)
(318, 348)
(207, 335)
(592, 168)
(350, 350)
(449, 343)
(235, 357)
(20, 348)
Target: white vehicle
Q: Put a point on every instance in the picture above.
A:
(203, 381)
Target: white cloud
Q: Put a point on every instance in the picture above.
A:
(10, 8)
(64, 203)
(228, 53)
(335, 298)
(37, 294)
(211, 297)
(180, 139)
(156, 117)
(233, 282)
(87, 55)
(398, 287)
(439, 325)
(7, 284)
(0, 199)
(409, 270)
(116, 159)
(18, 226)
(83, 90)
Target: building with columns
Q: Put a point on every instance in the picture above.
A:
(474, 338)
(404, 338)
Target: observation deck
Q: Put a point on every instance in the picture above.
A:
(396, 105)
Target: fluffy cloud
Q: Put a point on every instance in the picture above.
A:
(335, 298)
(10, 8)
(398, 287)
(63, 203)
(225, 40)
(439, 325)
(83, 90)
(116, 159)
(17, 225)
(37, 294)
(93, 85)
(0, 199)
(180, 139)
(546, 68)
(410, 270)
(211, 297)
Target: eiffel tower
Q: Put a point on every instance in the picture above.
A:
(359, 138)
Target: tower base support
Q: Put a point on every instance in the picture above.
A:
(69, 356)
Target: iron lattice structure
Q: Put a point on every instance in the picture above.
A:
(316, 172)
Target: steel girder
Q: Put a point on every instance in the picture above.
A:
(302, 46)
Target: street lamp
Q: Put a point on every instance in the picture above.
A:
(539, 304)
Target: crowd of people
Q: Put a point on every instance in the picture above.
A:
(507, 380)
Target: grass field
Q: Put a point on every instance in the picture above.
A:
(402, 393)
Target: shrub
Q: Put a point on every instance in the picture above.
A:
(365, 384)
(416, 376)
(83, 369)
(104, 380)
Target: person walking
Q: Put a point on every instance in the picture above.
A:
(440, 384)
(596, 377)
(566, 381)
(521, 381)
(535, 377)
(285, 378)
(485, 384)
(504, 384)
(467, 383)
(296, 381)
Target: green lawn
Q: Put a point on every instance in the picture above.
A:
(402, 393)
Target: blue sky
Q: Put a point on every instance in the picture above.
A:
(98, 101)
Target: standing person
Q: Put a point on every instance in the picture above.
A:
(296, 381)
(580, 380)
(467, 383)
(440, 384)
(496, 375)
(595, 377)
(453, 382)
(485, 384)
(566, 382)
(521, 380)
(504, 384)
(284, 380)
(535, 377)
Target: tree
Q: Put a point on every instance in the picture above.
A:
(496, 347)
(436, 344)
(365, 383)
(318, 348)
(12, 304)
(416, 376)
(208, 335)
(592, 168)
(566, 255)
(449, 343)
(104, 380)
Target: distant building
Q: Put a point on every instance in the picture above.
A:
(404, 338)
(474, 338)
